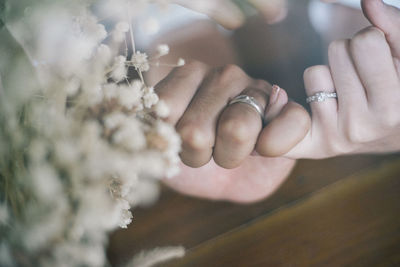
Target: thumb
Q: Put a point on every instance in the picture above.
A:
(288, 124)
(273, 10)
(224, 12)
(387, 18)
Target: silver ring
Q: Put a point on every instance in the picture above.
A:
(251, 101)
(320, 97)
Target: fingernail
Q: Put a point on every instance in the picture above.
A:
(275, 104)
(274, 95)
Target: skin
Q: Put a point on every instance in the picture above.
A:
(218, 140)
(365, 73)
(229, 15)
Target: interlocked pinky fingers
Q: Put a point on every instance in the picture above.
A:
(284, 132)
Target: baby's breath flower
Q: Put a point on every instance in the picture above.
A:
(140, 62)
(162, 50)
(114, 120)
(46, 182)
(180, 62)
(110, 91)
(151, 26)
(72, 86)
(126, 214)
(129, 96)
(150, 98)
(87, 125)
(118, 36)
(103, 54)
(122, 26)
(130, 136)
(162, 109)
(119, 71)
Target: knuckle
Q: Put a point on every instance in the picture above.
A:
(357, 133)
(194, 65)
(234, 130)
(191, 161)
(354, 136)
(336, 145)
(231, 73)
(367, 38)
(223, 163)
(390, 117)
(193, 69)
(193, 137)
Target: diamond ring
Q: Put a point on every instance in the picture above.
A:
(251, 101)
(320, 97)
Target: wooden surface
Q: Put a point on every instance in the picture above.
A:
(336, 212)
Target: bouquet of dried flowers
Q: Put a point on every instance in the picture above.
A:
(81, 141)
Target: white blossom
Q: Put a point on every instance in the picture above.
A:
(115, 120)
(83, 144)
(119, 70)
(110, 91)
(122, 26)
(46, 182)
(151, 26)
(156, 256)
(103, 54)
(180, 62)
(93, 94)
(130, 96)
(162, 109)
(140, 62)
(150, 98)
(72, 86)
(162, 50)
(130, 136)
(126, 215)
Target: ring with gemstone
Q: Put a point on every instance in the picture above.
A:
(320, 97)
(251, 101)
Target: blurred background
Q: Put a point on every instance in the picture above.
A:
(278, 53)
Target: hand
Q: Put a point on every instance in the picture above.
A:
(229, 14)
(217, 136)
(365, 73)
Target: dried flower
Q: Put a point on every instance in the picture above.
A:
(140, 62)
(119, 71)
(163, 50)
(180, 62)
(151, 26)
(80, 143)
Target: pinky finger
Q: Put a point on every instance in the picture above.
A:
(284, 131)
